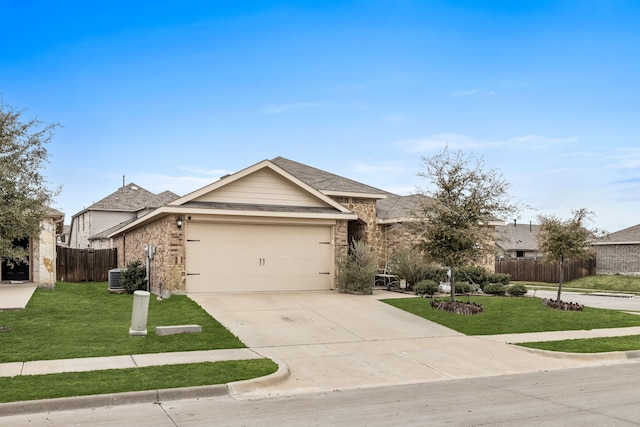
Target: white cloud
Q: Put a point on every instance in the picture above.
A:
(281, 108)
(542, 141)
(466, 142)
(439, 141)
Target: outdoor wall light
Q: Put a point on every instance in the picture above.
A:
(179, 222)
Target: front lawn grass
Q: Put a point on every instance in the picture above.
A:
(507, 315)
(588, 345)
(85, 320)
(596, 283)
(34, 387)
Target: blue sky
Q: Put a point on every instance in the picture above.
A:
(175, 94)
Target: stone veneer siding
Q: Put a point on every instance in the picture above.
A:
(340, 237)
(167, 275)
(618, 259)
(43, 255)
(372, 234)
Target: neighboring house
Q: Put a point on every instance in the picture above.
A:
(619, 252)
(63, 238)
(277, 225)
(41, 265)
(517, 241)
(128, 203)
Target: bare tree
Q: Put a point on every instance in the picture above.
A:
(24, 195)
(465, 200)
(565, 239)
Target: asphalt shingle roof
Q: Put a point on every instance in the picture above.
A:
(324, 181)
(519, 237)
(627, 235)
(131, 198)
(399, 207)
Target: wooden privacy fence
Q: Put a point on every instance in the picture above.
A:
(539, 271)
(84, 265)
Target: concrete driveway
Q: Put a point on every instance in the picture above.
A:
(333, 341)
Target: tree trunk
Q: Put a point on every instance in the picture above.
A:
(452, 282)
(561, 275)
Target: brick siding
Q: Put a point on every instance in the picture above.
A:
(618, 259)
(167, 272)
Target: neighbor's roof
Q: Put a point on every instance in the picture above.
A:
(132, 198)
(627, 235)
(326, 182)
(518, 237)
(54, 213)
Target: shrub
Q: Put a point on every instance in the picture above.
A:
(500, 278)
(357, 269)
(495, 289)
(474, 274)
(134, 277)
(516, 290)
(463, 288)
(426, 287)
(409, 264)
(437, 274)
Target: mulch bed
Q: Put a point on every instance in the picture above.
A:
(562, 305)
(458, 307)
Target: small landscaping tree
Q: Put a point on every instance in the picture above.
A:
(561, 240)
(357, 269)
(133, 277)
(455, 222)
(409, 264)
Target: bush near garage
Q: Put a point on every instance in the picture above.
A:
(133, 277)
(409, 264)
(357, 269)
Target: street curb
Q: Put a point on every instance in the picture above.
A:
(240, 387)
(144, 396)
(611, 355)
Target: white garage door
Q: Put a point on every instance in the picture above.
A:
(239, 257)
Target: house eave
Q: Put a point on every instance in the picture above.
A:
(352, 194)
(186, 210)
(614, 243)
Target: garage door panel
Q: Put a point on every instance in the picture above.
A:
(238, 257)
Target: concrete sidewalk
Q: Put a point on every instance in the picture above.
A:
(41, 367)
(15, 296)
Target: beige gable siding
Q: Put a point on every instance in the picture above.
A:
(103, 220)
(263, 187)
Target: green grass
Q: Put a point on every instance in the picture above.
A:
(602, 282)
(504, 315)
(85, 320)
(589, 345)
(34, 387)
